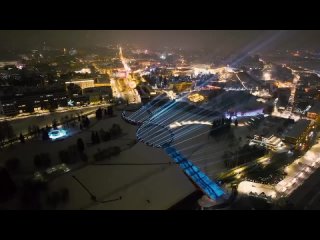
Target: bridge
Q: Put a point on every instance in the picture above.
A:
(209, 187)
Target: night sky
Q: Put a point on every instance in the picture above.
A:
(219, 40)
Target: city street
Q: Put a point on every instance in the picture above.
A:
(20, 124)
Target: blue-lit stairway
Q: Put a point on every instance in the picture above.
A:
(202, 180)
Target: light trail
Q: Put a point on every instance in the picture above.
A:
(241, 82)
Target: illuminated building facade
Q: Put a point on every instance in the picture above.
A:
(8, 108)
(314, 111)
(97, 94)
(82, 83)
(297, 132)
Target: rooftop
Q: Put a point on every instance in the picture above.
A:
(315, 108)
(298, 128)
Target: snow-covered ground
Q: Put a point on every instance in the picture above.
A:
(141, 186)
(161, 185)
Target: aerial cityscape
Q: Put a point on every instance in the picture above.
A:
(159, 120)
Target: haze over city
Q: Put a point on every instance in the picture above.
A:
(228, 41)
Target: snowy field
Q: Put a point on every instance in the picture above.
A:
(141, 186)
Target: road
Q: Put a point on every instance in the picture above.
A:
(20, 124)
(299, 171)
(240, 170)
(125, 88)
(308, 195)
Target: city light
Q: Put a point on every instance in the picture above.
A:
(196, 97)
(267, 76)
(184, 123)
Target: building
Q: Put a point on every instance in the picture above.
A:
(8, 107)
(297, 132)
(181, 86)
(272, 143)
(283, 97)
(8, 63)
(98, 94)
(7, 101)
(314, 111)
(81, 100)
(82, 83)
(40, 100)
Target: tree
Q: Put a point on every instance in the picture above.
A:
(236, 123)
(105, 135)
(64, 194)
(268, 109)
(93, 138)
(115, 130)
(116, 150)
(42, 160)
(80, 145)
(85, 122)
(99, 113)
(97, 137)
(53, 199)
(110, 110)
(30, 130)
(74, 89)
(54, 124)
(29, 108)
(45, 135)
(21, 138)
(6, 131)
(64, 156)
(7, 186)
(37, 161)
(13, 164)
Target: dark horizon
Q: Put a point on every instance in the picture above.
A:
(222, 41)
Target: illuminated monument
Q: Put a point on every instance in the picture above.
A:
(176, 126)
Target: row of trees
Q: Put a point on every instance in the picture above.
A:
(73, 153)
(106, 112)
(42, 161)
(221, 127)
(57, 197)
(6, 131)
(114, 132)
(107, 153)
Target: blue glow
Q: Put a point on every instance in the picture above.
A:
(57, 134)
(202, 180)
(245, 114)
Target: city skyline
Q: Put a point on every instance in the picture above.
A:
(159, 120)
(224, 41)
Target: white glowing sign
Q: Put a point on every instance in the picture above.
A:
(184, 123)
